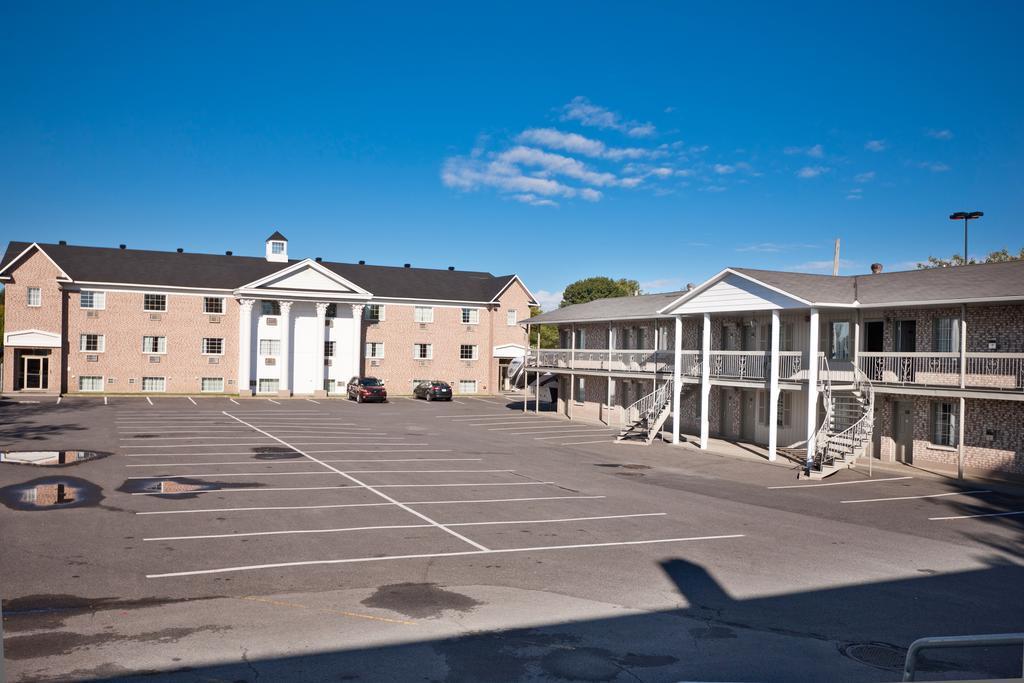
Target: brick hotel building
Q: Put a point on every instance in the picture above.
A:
(92, 320)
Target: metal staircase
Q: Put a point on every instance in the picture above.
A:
(645, 418)
(846, 431)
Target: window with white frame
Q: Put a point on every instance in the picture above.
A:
(277, 247)
(467, 386)
(91, 342)
(947, 335)
(34, 296)
(374, 349)
(511, 317)
(468, 352)
(154, 302)
(580, 389)
(92, 300)
(839, 340)
(581, 338)
(270, 347)
(213, 346)
(470, 316)
(153, 384)
(268, 386)
(945, 423)
(330, 386)
(424, 314)
(270, 307)
(329, 349)
(374, 312)
(212, 385)
(90, 383)
(154, 344)
(784, 418)
(423, 351)
(213, 305)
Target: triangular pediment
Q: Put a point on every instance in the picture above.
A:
(309, 277)
(728, 292)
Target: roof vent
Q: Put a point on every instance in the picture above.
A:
(229, 253)
(319, 259)
(408, 265)
(180, 250)
(689, 287)
(63, 243)
(362, 263)
(451, 267)
(876, 268)
(123, 246)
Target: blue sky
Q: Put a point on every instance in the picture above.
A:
(657, 141)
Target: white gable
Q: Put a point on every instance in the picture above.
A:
(32, 338)
(736, 293)
(307, 279)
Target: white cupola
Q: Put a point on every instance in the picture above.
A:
(277, 248)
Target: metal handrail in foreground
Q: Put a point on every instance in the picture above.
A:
(990, 640)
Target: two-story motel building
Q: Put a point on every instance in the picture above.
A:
(784, 360)
(94, 320)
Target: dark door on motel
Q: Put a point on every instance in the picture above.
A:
(748, 410)
(906, 342)
(903, 431)
(874, 342)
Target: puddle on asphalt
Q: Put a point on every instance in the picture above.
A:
(50, 458)
(179, 487)
(51, 493)
(627, 466)
(274, 453)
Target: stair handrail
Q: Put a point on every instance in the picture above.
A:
(819, 438)
(862, 429)
(649, 405)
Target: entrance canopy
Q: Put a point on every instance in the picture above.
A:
(36, 339)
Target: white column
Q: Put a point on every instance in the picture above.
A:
(572, 377)
(536, 402)
(357, 338)
(705, 380)
(963, 348)
(812, 386)
(318, 352)
(773, 390)
(677, 377)
(960, 439)
(244, 346)
(856, 341)
(526, 364)
(284, 385)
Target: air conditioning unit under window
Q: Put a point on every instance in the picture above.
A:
(92, 358)
(154, 359)
(374, 363)
(272, 322)
(270, 361)
(155, 316)
(215, 319)
(92, 314)
(214, 360)
(327, 362)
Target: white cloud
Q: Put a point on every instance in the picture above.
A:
(469, 174)
(811, 171)
(713, 188)
(533, 200)
(557, 164)
(589, 114)
(854, 195)
(875, 145)
(943, 134)
(933, 166)
(579, 144)
(816, 151)
(662, 172)
(724, 169)
(865, 177)
(548, 300)
(591, 195)
(774, 247)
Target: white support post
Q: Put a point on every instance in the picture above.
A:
(284, 322)
(526, 365)
(608, 380)
(856, 342)
(357, 337)
(245, 346)
(536, 402)
(773, 390)
(812, 387)
(705, 381)
(677, 377)
(320, 352)
(960, 440)
(572, 377)
(963, 346)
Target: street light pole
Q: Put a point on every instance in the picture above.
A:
(965, 216)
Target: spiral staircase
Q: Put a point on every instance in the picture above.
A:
(845, 433)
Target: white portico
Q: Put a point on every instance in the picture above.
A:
(300, 331)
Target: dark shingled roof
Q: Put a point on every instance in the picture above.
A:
(277, 236)
(215, 271)
(614, 308)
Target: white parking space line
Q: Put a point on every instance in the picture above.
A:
(348, 486)
(58, 399)
(273, 401)
(264, 443)
(312, 401)
(565, 435)
(234, 401)
(339, 450)
(287, 462)
(582, 443)
(523, 425)
(193, 400)
(233, 474)
(149, 400)
(397, 526)
(568, 431)
(342, 435)
(460, 416)
(353, 560)
(987, 514)
(839, 483)
(932, 495)
(385, 496)
(364, 505)
(498, 421)
(104, 400)
(484, 400)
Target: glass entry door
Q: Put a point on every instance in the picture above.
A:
(34, 372)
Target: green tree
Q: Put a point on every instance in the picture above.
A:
(599, 287)
(548, 333)
(958, 260)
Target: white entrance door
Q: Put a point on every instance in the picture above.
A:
(304, 354)
(34, 372)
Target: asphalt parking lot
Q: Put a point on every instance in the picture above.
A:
(224, 539)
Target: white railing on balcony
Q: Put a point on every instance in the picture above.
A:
(621, 360)
(932, 368)
(739, 364)
(792, 365)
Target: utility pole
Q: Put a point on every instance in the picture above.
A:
(835, 260)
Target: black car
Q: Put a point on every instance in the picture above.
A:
(361, 389)
(434, 390)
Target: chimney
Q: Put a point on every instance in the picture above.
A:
(876, 268)
(123, 246)
(229, 253)
(451, 267)
(689, 286)
(180, 250)
(63, 243)
(362, 263)
(319, 259)
(408, 265)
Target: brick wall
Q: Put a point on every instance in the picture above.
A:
(35, 270)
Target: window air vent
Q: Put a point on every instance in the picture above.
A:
(423, 326)
(111, 380)
(327, 363)
(231, 381)
(214, 319)
(270, 361)
(214, 360)
(327, 322)
(92, 314)
(131, 380)
(92, 358)
(374, 363)
(155, 316)
(154, 359)
(271, 321)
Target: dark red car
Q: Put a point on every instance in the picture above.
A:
(361, 389)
